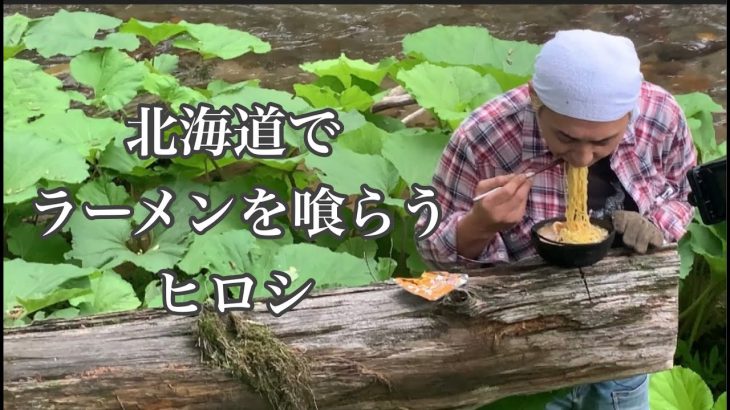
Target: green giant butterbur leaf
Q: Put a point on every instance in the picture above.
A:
(74, 129)
(367, 139)
(170, 91)
(328, 268)
(13, 29)
(344, 69)
(153, 32)
(352, 98)
(102, 192)
(246, 96)
(109, 293)
(249, 94)
(452, 92)
(698, 108)
(165, 63)
(29, 93)
(229, 253)
(38, 285)
(28, 158)
(217, 87)
(71, 33)
(107, 243)
(317, 96)
(346, 171)
(217, 41)
(117, 158)
(114, 76)
(679, 389)
(415, 154)
(721, 403)
(511, 61)
(26, 242)
(707, 242)
(238, 252)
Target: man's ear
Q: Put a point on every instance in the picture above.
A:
(534, 99)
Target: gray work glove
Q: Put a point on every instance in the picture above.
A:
(638, 232)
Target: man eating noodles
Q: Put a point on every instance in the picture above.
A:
(587, 105)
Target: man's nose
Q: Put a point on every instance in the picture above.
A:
(582, 156)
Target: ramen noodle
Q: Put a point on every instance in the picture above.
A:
(577, 228)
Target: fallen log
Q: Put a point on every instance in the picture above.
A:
(515, 329)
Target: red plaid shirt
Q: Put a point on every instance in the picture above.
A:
(502, 137)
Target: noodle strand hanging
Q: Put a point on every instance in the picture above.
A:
(578, 228)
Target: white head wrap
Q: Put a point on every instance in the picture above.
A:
(588, 75)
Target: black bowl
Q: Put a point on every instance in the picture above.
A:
(572, 255)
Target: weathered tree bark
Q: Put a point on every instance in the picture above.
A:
(516, 329)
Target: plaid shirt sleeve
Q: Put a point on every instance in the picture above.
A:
(671, 211)
(460, 169)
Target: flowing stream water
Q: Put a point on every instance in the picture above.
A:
(682, 47)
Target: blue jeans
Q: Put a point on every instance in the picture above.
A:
(631, 393)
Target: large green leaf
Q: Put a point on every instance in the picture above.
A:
(679, 389)
(71, 33)
(696, 102)
(170, 90)
(28, 158)
(721, 403)
(116, 157)
(109, 293)
(14, 27)
(165, 63)
(153, 32)
(686, 255)
(345, 69)
(240, 186)
(25, 241)
(212, 40)
(452, 92)
(216, 87)
(114, 76)
(73, 128)
(471, 46)
(365, 249)
(698, 108)
(317, 96)
(246, 96)
(234, 252)
(704, 241)
(229, 253)
(103, 243)
(101, 192)
(249, 94)
(29, 92)
(367, 139)
(415, 154)
(352, 98)
(328, 268)
(338, 169)
(38, 285)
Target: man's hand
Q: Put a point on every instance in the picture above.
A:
(501, 209)
(638, 232)
(504, 207)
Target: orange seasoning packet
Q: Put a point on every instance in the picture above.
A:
(432, 285)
